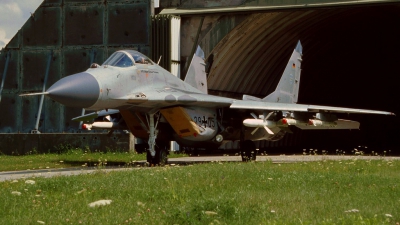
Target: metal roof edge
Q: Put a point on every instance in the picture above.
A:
(236, 9)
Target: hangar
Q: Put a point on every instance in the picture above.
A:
(350, 55)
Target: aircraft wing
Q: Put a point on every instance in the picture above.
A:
(160, 100)
(94, 115)
(272, 106)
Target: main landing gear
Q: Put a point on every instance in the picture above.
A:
(156, 154)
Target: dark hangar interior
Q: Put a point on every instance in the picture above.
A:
(350, 59)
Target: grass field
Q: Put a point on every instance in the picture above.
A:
(326, 192)
(71, 158)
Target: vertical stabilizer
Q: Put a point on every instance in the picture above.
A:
(196, 75)
(287, 90)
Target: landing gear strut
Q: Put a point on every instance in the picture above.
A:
(156, 154)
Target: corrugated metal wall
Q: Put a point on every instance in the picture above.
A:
(75, 33)
(166, 42)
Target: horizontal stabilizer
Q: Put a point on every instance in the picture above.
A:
(31, 94)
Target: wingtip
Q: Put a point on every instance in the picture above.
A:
(299, 47)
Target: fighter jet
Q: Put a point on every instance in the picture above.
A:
(159, 107)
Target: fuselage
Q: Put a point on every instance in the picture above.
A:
(132, 83)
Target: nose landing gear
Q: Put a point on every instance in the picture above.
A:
(161, 156)
(156, 154)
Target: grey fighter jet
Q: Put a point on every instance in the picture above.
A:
(159, 107)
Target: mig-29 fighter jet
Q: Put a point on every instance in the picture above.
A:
(159, 107)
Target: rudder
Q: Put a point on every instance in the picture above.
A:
(196, 75)
(287, 90)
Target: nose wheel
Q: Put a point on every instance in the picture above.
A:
(161, 156)
(156, 154)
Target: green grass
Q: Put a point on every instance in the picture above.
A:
(214, 193)
(71, 158)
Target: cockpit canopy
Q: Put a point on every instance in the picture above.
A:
(127, 58)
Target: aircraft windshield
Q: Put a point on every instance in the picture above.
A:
(119, 59)
(139, 57)
(127, 58)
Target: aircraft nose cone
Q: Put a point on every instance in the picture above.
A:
(79, 90)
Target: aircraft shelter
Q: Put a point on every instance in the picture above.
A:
(350, 57)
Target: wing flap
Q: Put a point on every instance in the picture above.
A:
(269, 106)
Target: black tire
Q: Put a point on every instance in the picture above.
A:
(248, 151)
(161, 157)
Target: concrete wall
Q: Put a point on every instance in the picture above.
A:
(21, 144)
(74, 33)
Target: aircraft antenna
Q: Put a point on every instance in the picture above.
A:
(158, 63)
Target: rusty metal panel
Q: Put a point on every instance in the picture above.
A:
(52, 1)
(77, 31)
(129, 2)
(29, 109)
(34, 68)
(15, 41)
(11, 82)
(78, 60)
(9, 117)
(128, 24)
(70, 126)
(43, 28)
(84, 1)
(89, 32)
(51, 117)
